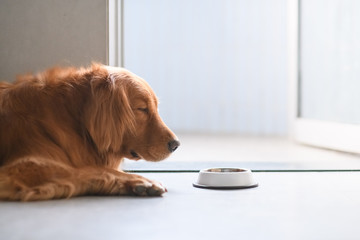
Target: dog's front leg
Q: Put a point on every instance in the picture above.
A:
(95, 181)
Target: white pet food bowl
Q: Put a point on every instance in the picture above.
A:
(225, 178)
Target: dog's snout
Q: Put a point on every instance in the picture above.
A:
(173, 145)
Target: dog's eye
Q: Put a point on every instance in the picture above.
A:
(145, 110)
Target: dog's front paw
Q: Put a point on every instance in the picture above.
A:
(144, 187)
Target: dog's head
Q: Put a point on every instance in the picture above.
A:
(123, 118)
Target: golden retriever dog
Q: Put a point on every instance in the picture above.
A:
(64, 133)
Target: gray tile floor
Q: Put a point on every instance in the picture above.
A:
(286, 205)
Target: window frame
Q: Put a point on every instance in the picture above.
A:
(115, 33)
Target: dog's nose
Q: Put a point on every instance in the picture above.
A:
(173, 145)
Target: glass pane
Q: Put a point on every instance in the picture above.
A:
(330, 60)
(217, 66)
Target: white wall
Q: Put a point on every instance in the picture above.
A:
(216, 65)
(38, 34)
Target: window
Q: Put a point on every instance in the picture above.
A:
(232, 69)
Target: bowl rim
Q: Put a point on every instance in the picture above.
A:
(225, 170)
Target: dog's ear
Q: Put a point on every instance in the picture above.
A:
(109, 115)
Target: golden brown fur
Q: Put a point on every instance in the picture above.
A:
(64, 132)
